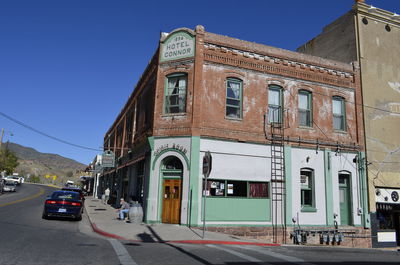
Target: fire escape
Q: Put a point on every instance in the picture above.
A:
(278, 188)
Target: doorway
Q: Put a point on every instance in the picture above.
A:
(345, 198)
(172, 170)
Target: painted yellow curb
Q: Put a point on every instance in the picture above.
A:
(41, 192)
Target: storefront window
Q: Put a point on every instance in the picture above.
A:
(237, 188)
(215, 188)
(384, 216)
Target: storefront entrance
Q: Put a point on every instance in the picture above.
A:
(171, 190)
(345, 201)
(171, 201)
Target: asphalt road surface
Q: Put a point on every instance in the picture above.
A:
(25, 238)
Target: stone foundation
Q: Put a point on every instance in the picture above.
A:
(357, 237)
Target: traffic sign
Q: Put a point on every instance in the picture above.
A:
(207, 163)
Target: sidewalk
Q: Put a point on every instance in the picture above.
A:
(103, 220)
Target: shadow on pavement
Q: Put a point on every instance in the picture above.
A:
(195, 257)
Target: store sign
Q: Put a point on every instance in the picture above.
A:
(177, 46)
(387, 195)
(108, 159)
(163, 147)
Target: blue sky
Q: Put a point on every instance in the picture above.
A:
(67, 67)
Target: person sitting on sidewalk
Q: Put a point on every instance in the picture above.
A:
(123, 209)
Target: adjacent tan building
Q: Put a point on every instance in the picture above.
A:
(371, 36)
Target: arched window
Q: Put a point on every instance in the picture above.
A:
(305, 108)
(234, 98)
(173, 163)
(175, 93)
(275, 104)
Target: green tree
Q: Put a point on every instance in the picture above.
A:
(8, 161)
(34, 179)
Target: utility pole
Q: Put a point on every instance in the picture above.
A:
(1, 137)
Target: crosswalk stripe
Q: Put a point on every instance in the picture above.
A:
(276, 255)
(121, 252)
(238, 254)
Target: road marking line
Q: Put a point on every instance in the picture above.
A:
(240, 255)
(122, 253)
(41, 192)
(276, 255)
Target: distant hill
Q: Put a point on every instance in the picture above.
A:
(40, 164)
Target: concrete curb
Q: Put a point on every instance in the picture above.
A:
(103, 233)
(198, 242)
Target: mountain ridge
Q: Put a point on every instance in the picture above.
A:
(36, 163)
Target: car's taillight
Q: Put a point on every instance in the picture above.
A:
(76, 204)
(51, 202)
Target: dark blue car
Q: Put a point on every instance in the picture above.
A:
(63, 204)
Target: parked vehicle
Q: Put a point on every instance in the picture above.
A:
(10, 186)
(63, 203)
(16, 179)
(76, 189)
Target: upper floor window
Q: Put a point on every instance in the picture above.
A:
(275, 104)
(305, 108)
(234, 98)
(175, 94)
(339, 114)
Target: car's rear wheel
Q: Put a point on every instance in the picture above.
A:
(78, 218)
(44, 216)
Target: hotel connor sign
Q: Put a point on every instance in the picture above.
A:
(177, 46)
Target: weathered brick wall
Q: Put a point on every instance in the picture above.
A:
(360, 239)
(219, 57)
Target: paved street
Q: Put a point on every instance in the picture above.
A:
(25, 238)
(28, 239)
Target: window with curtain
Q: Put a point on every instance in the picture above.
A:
(234, 98)
(305, 108)
(275, 105)
(307, 188)
(175, 94)
(339, 114)
(258, 189)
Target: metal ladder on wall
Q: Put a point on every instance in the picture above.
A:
(278, 188)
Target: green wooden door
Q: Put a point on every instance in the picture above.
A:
(345, 199)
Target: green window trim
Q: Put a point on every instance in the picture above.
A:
(308, 209)
(234, 95)
(339, 113)
(275, 104)
(175, 93)
(307, 189)
(305, 109)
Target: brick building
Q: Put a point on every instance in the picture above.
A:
(284, 129)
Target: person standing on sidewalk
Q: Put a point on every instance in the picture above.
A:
(106, 195)
(123, 209)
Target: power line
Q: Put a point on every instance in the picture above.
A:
(45, 134)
